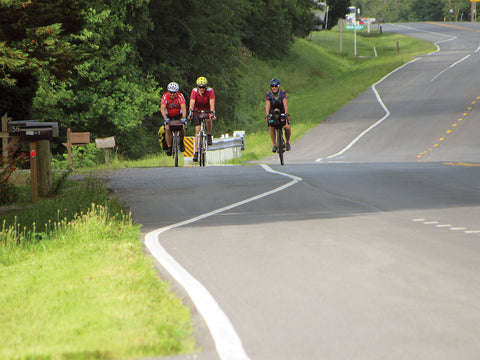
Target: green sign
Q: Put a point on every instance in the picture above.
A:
(356, 27)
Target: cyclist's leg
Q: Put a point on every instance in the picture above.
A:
(209, 125)
(272, 134)
(168, 135)
(197, 131)
(182, 133)
(182, 136)
(288, 132)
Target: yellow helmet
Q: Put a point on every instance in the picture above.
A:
(202, 81)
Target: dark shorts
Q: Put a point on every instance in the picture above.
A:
(175, 125)
(196, 120)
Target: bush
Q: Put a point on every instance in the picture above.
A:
(8, 191)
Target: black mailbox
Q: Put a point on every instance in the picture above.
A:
(33, 129)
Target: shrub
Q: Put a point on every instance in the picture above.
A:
(8, 191)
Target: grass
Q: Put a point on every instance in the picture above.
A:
(76, 284)
(75, 281)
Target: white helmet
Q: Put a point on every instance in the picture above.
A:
(173, 87)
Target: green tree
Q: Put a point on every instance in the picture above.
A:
(337, 10)
(34, 40)
(109, 94)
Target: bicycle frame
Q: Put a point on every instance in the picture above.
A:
(278, 121)
(175, 129)
(202, 136)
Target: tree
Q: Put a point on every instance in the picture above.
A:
(34, 39)
(108, 94)
(337, 10)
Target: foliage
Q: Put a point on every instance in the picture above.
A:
(82, 157)
(99, 66)
(416, 10)
(337, 10)
(35, 39)
(8, 191)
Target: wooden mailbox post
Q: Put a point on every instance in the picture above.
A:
(75, 139)
(105, 143)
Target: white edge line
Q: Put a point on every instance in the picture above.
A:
(227, 341)
(379, 100)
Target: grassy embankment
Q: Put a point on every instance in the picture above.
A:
(75, 281)
(319, 80)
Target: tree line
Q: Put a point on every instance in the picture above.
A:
(415, 10)
(102, 66)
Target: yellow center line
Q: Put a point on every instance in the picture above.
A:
(462, 164)
(452, 26)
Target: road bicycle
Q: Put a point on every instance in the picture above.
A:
(202, 135)
(278, 121)
(175, 127)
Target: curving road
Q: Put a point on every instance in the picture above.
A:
(365, 246)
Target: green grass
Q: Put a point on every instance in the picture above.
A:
(75, 281)
(76, 284)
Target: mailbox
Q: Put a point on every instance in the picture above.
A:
(33, 129)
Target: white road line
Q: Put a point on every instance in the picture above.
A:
(379, 99)
(458, 228)
(443, 225)
(430, 222)
(472, 231)
(450, 67)
(227, 341)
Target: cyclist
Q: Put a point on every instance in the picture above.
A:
(277, 99)
(202, 98)
(173, 107)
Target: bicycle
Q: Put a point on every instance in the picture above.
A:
(278, 121)
(175, 127)
(202, 135)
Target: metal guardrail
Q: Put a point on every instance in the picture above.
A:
(228, 142)
(223, 149)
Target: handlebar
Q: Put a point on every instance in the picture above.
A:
(203, 114)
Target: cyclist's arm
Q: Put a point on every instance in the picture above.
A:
(183, 107)
(192, 105)
(267, 107)
(212, 106)
(285, 105)
(163, 110)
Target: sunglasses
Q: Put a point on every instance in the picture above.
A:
(273, 85)
(202, 87)
(172, 92)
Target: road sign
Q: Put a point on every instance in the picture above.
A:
(356, 27)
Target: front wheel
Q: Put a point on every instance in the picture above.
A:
(175, 149)
(201, 150)
(280, 145)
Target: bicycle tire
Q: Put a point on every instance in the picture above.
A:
(175, 148)
(280, 145)
(201, 153)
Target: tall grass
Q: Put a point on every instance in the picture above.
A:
(80, 286)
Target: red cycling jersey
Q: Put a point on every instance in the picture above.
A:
(202, 102)
(173, 105)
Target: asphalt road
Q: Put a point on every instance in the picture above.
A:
(366, 245)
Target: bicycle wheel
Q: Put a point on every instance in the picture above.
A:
(175, 148)
(204, 151)
(201, 149)
(280, 145)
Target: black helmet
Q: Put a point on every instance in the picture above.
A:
(274, 82)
